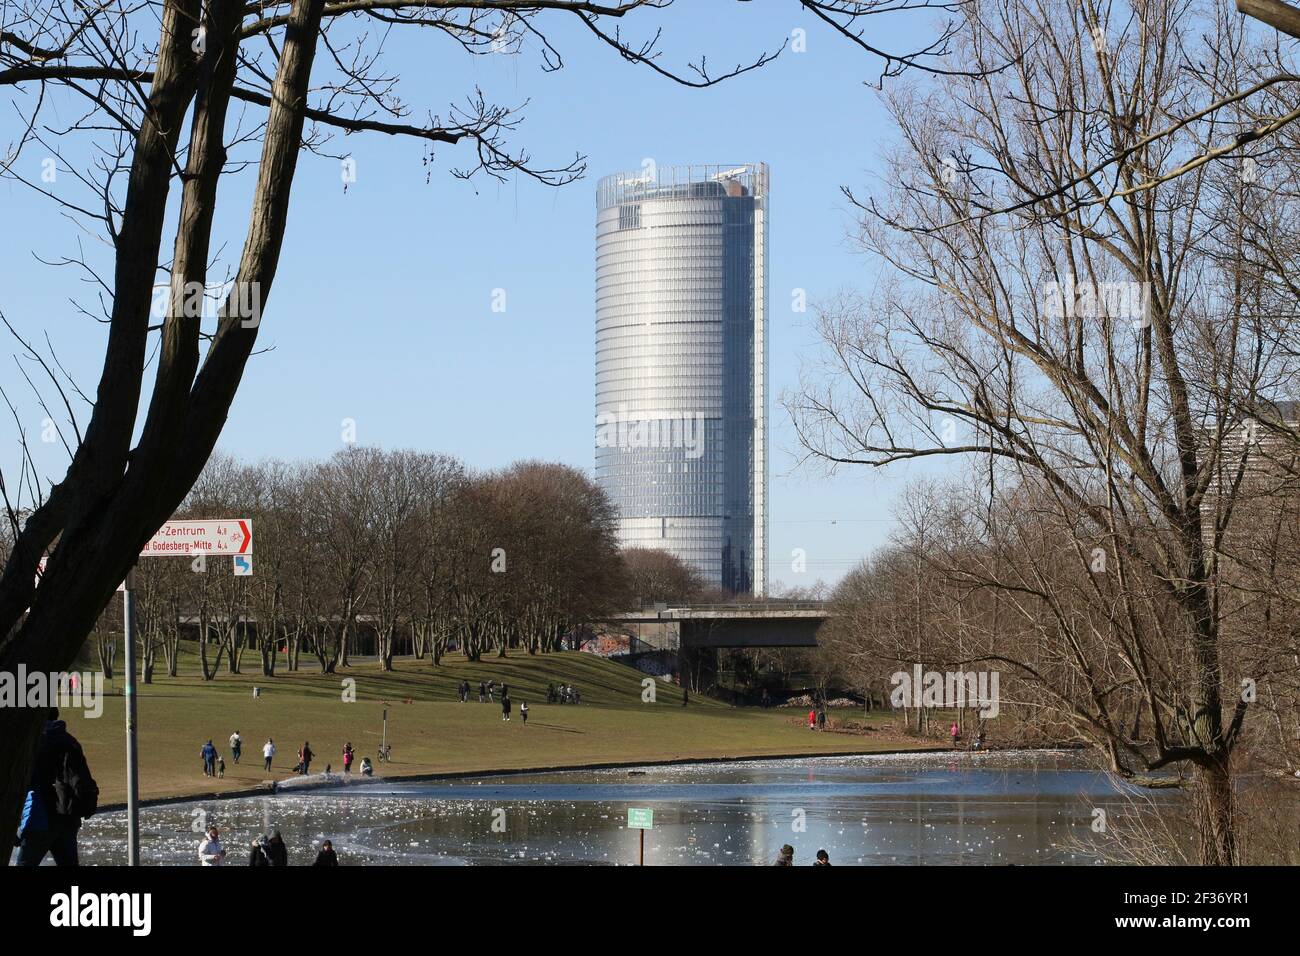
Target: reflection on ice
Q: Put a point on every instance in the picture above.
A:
(933, 808)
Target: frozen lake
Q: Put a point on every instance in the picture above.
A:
(997, 808)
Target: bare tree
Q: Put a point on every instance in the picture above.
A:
(400, 498)
(659, 577)
(1055, 310)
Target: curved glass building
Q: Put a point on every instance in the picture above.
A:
(681, 364)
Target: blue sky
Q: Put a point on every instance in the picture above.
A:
(381, 310)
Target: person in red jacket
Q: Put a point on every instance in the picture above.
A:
(347, 757)
(812, 719)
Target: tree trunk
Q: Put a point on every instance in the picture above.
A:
(203, 649)
(103, 644)
(148, 653)
(1215, 812)
(269, 646)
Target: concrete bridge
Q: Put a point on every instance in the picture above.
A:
(770, 624)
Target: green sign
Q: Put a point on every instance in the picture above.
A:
(640, 818)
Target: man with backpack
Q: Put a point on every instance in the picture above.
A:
(62, 794)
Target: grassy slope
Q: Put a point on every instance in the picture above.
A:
(434, 733)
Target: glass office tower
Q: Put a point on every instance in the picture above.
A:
(681, 364)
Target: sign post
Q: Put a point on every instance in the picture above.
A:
(132, 774)
(641, 818)
(232, 536)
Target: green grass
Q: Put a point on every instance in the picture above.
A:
(429, 729)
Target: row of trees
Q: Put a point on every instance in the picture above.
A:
(385, 552)
(1089, 645)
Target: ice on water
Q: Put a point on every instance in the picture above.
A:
(997, 807)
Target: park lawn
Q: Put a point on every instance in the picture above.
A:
(430, 731)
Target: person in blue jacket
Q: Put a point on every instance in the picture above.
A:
(62, 793)
(209, 755)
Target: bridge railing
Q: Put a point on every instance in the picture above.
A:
(767, 606)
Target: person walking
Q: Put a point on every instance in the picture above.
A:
(236, 746)
(523, 711)
(326, 856)
(823, 858)
(278, 852)
(62, 793)
(268, 751)
(505, 707)
(211, 852)
(784, 856)
(821, 718)
(347, 757)
(812, 720)
(304, 758)
(956, 734)
(482, 692)
(209, 755)
(464, 691)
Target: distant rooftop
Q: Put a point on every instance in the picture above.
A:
(682, 182)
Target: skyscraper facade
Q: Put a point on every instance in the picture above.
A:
(681, 364)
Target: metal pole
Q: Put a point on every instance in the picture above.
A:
(383, 746)
(132, 775)
(643, 847)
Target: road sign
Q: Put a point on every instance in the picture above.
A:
(229, 536)
(642, 819)
(639, 818)
(243, 565)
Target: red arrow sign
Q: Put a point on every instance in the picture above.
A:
(225, 536)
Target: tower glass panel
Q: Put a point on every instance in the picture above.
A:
(681, 360)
